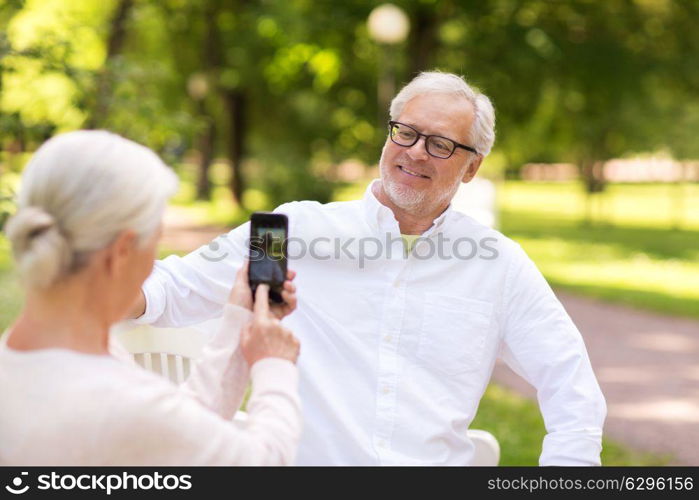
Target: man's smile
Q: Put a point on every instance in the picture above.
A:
(411, 172)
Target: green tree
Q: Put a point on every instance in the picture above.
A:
(289, 88)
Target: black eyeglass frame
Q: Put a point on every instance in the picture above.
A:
(393, 123)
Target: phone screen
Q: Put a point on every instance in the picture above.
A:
(268, 235)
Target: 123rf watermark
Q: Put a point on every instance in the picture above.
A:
(106, 483)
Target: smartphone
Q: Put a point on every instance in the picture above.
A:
(268, 258)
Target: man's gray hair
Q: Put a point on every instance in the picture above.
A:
(436, 82)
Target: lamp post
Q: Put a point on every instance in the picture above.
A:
(389, 26)
(197, 86)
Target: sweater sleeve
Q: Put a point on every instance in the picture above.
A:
(153, 423)
(219, 377)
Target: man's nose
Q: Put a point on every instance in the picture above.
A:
(418, 151)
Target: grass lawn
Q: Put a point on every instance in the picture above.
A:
(631, 254)
(519, 428)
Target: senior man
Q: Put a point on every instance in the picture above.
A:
(404, 304)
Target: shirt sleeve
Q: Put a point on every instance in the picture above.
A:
(220, 376)
(183, 291)
(159, 425)
(541, 343)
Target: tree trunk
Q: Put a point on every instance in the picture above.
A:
(593, 177)
(115, 44)
(422, 41)
(235, 102)
(207, 149)
(211, 59)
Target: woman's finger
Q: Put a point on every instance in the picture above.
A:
(261, 309)
(290, 300)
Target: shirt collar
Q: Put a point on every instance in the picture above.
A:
(380, 217)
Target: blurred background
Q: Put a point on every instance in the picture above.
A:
(255, 103)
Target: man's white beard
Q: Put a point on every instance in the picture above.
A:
(405, 197)
(416, 201)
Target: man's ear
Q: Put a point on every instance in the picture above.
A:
(472, 168)
(119, 251)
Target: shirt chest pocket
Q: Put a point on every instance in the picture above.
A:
(453, 333)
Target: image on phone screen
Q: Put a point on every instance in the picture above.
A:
(268, 234)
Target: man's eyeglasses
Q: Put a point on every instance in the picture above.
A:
(437, 146)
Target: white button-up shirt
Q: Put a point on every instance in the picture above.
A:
(396, 350)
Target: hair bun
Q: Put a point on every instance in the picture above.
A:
(42, 252)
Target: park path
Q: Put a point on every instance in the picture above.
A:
(647, 364)
(183, 233)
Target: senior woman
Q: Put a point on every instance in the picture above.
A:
(84, 239)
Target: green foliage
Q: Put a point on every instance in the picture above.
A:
(293, 85)
(11, 294)
(7, 193)
(53, 48)
(576, 81)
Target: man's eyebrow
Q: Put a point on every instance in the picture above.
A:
(412, 124)
(406, 122)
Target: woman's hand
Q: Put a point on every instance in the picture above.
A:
(241, 295)
(289, 296)
(265, 337)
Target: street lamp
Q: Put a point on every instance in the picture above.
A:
(197, 86)
(389, 26)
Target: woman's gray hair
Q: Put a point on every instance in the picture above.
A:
(78, 192)
(436, 82)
